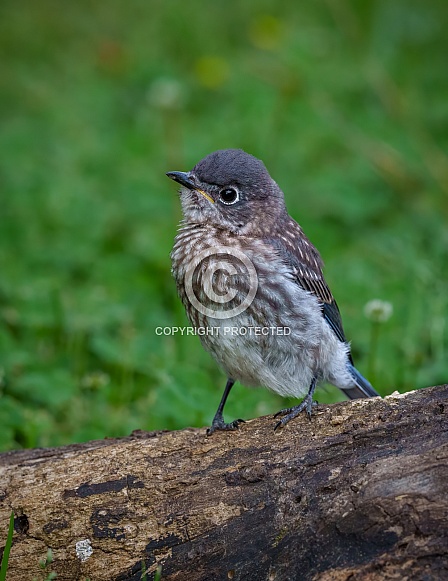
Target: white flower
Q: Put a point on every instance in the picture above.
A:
(166, 94)
(378, 311)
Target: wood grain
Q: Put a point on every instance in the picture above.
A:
(358, 492)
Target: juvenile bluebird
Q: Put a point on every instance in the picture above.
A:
(252, 286)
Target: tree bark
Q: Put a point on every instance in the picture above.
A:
(358, 492)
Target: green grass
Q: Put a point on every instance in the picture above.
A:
(45, 563)
(345, 101)
(7, 549)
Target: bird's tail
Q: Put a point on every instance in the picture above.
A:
(362, 386)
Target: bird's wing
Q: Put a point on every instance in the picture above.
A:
(306, 265)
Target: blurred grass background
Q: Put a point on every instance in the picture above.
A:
(345, 101)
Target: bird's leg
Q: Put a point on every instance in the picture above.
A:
(218, 421)
(291, 413)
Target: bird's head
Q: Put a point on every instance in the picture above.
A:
(233, 190)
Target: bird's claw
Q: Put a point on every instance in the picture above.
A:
(219, 424)
(291, 413)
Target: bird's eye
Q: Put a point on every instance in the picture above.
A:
(229, 196)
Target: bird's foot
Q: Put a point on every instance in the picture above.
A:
(291, 413)
(219, 424)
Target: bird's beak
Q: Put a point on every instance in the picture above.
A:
(182, 178)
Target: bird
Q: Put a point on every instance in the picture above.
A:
(253, 288)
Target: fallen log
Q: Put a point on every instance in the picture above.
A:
(358, 492)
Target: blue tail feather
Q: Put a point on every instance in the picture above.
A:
(363, 387)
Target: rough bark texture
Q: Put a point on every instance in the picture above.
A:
(358, 492)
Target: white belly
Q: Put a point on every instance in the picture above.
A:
(284, 359)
